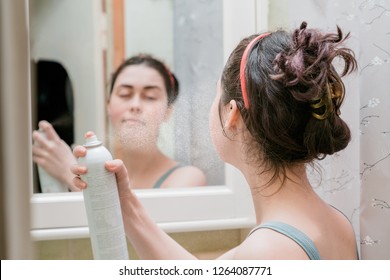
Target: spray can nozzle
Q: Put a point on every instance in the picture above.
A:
(92, 141)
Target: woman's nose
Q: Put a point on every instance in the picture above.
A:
(135, 103)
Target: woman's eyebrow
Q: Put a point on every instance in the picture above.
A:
(125, 86)
(147, 86)
(152, 87)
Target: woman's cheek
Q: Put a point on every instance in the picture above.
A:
(115, 115)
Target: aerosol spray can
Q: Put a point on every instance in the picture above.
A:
(102, 204)
(48, 183)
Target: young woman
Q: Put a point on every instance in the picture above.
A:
(276, 110)
(142, 94)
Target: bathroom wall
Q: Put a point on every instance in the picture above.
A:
(204, 245)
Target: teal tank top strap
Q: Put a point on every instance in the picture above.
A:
(295, 234)
(161, 180)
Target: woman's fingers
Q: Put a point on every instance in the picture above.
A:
(38, 151)
(79, 183)
(89, 134)
(39, 139)
(49, 130)
(79, 151)
(78, 170)
(117, 166)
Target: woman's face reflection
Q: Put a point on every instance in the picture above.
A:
(138, 104)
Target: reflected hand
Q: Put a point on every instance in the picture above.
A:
(53, 154)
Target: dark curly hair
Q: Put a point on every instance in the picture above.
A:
(170, 81)
(294, 95)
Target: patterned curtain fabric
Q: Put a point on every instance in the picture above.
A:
(357, 180)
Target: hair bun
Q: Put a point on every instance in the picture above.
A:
(306, 67)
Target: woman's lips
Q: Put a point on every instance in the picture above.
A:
(133, 122)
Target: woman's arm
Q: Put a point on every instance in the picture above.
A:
(149, 241)
(53, 154)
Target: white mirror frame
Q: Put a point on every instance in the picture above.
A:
(62, 215)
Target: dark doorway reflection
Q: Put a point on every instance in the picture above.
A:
(55, 99)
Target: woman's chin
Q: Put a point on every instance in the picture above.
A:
(134, 136)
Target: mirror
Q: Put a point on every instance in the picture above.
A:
(200, 40)
(187, 37)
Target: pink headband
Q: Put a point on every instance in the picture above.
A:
(242, 68)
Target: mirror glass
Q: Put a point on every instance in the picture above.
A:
(76, 46)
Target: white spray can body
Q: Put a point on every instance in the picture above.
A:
(102, 204)
(48, 183)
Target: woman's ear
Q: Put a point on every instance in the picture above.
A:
(233, 116)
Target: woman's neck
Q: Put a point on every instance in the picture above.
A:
(144, 165)
(279, 199)
(138, 158)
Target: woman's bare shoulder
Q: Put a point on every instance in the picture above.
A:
(266, 244)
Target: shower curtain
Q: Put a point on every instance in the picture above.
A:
(357, 180)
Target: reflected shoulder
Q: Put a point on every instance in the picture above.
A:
(187, 176)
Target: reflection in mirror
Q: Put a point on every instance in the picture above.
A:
(187, 37)
(67, 79)
(55, 98)
(142, 95)
(54, 103)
